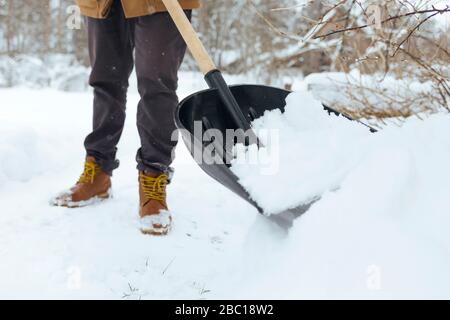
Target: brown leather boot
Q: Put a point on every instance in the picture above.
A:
(155, 216)
(93, 186)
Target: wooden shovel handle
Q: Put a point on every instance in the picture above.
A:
(190, 36)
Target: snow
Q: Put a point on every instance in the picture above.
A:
(382, 234)
(380, 229)
(391, 214)
(325, 149)
(58, 71)
(99, 252)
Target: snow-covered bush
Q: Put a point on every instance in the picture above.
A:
(31, 72)
(375, 97)
(60, 72)
(7, 72)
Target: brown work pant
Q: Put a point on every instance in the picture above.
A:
(159, 51)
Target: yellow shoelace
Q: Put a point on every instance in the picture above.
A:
(89, 173)
(154, 188)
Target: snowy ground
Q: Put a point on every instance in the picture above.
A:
(384, 234)
(98, 252)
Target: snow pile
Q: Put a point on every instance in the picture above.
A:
(308, 152)
(26, 152)
(21, 155)
(37, 131)
(381, 233)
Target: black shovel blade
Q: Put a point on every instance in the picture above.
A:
(204, 110)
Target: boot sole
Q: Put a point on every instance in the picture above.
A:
(81, 204)
(156, 232)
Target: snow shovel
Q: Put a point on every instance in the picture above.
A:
(221, 108)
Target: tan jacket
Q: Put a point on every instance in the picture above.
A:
(132, 8)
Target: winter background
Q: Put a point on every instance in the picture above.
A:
(380, 230)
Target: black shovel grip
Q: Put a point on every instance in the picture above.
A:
(215, 80)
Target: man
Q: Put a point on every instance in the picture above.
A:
(116, 28)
